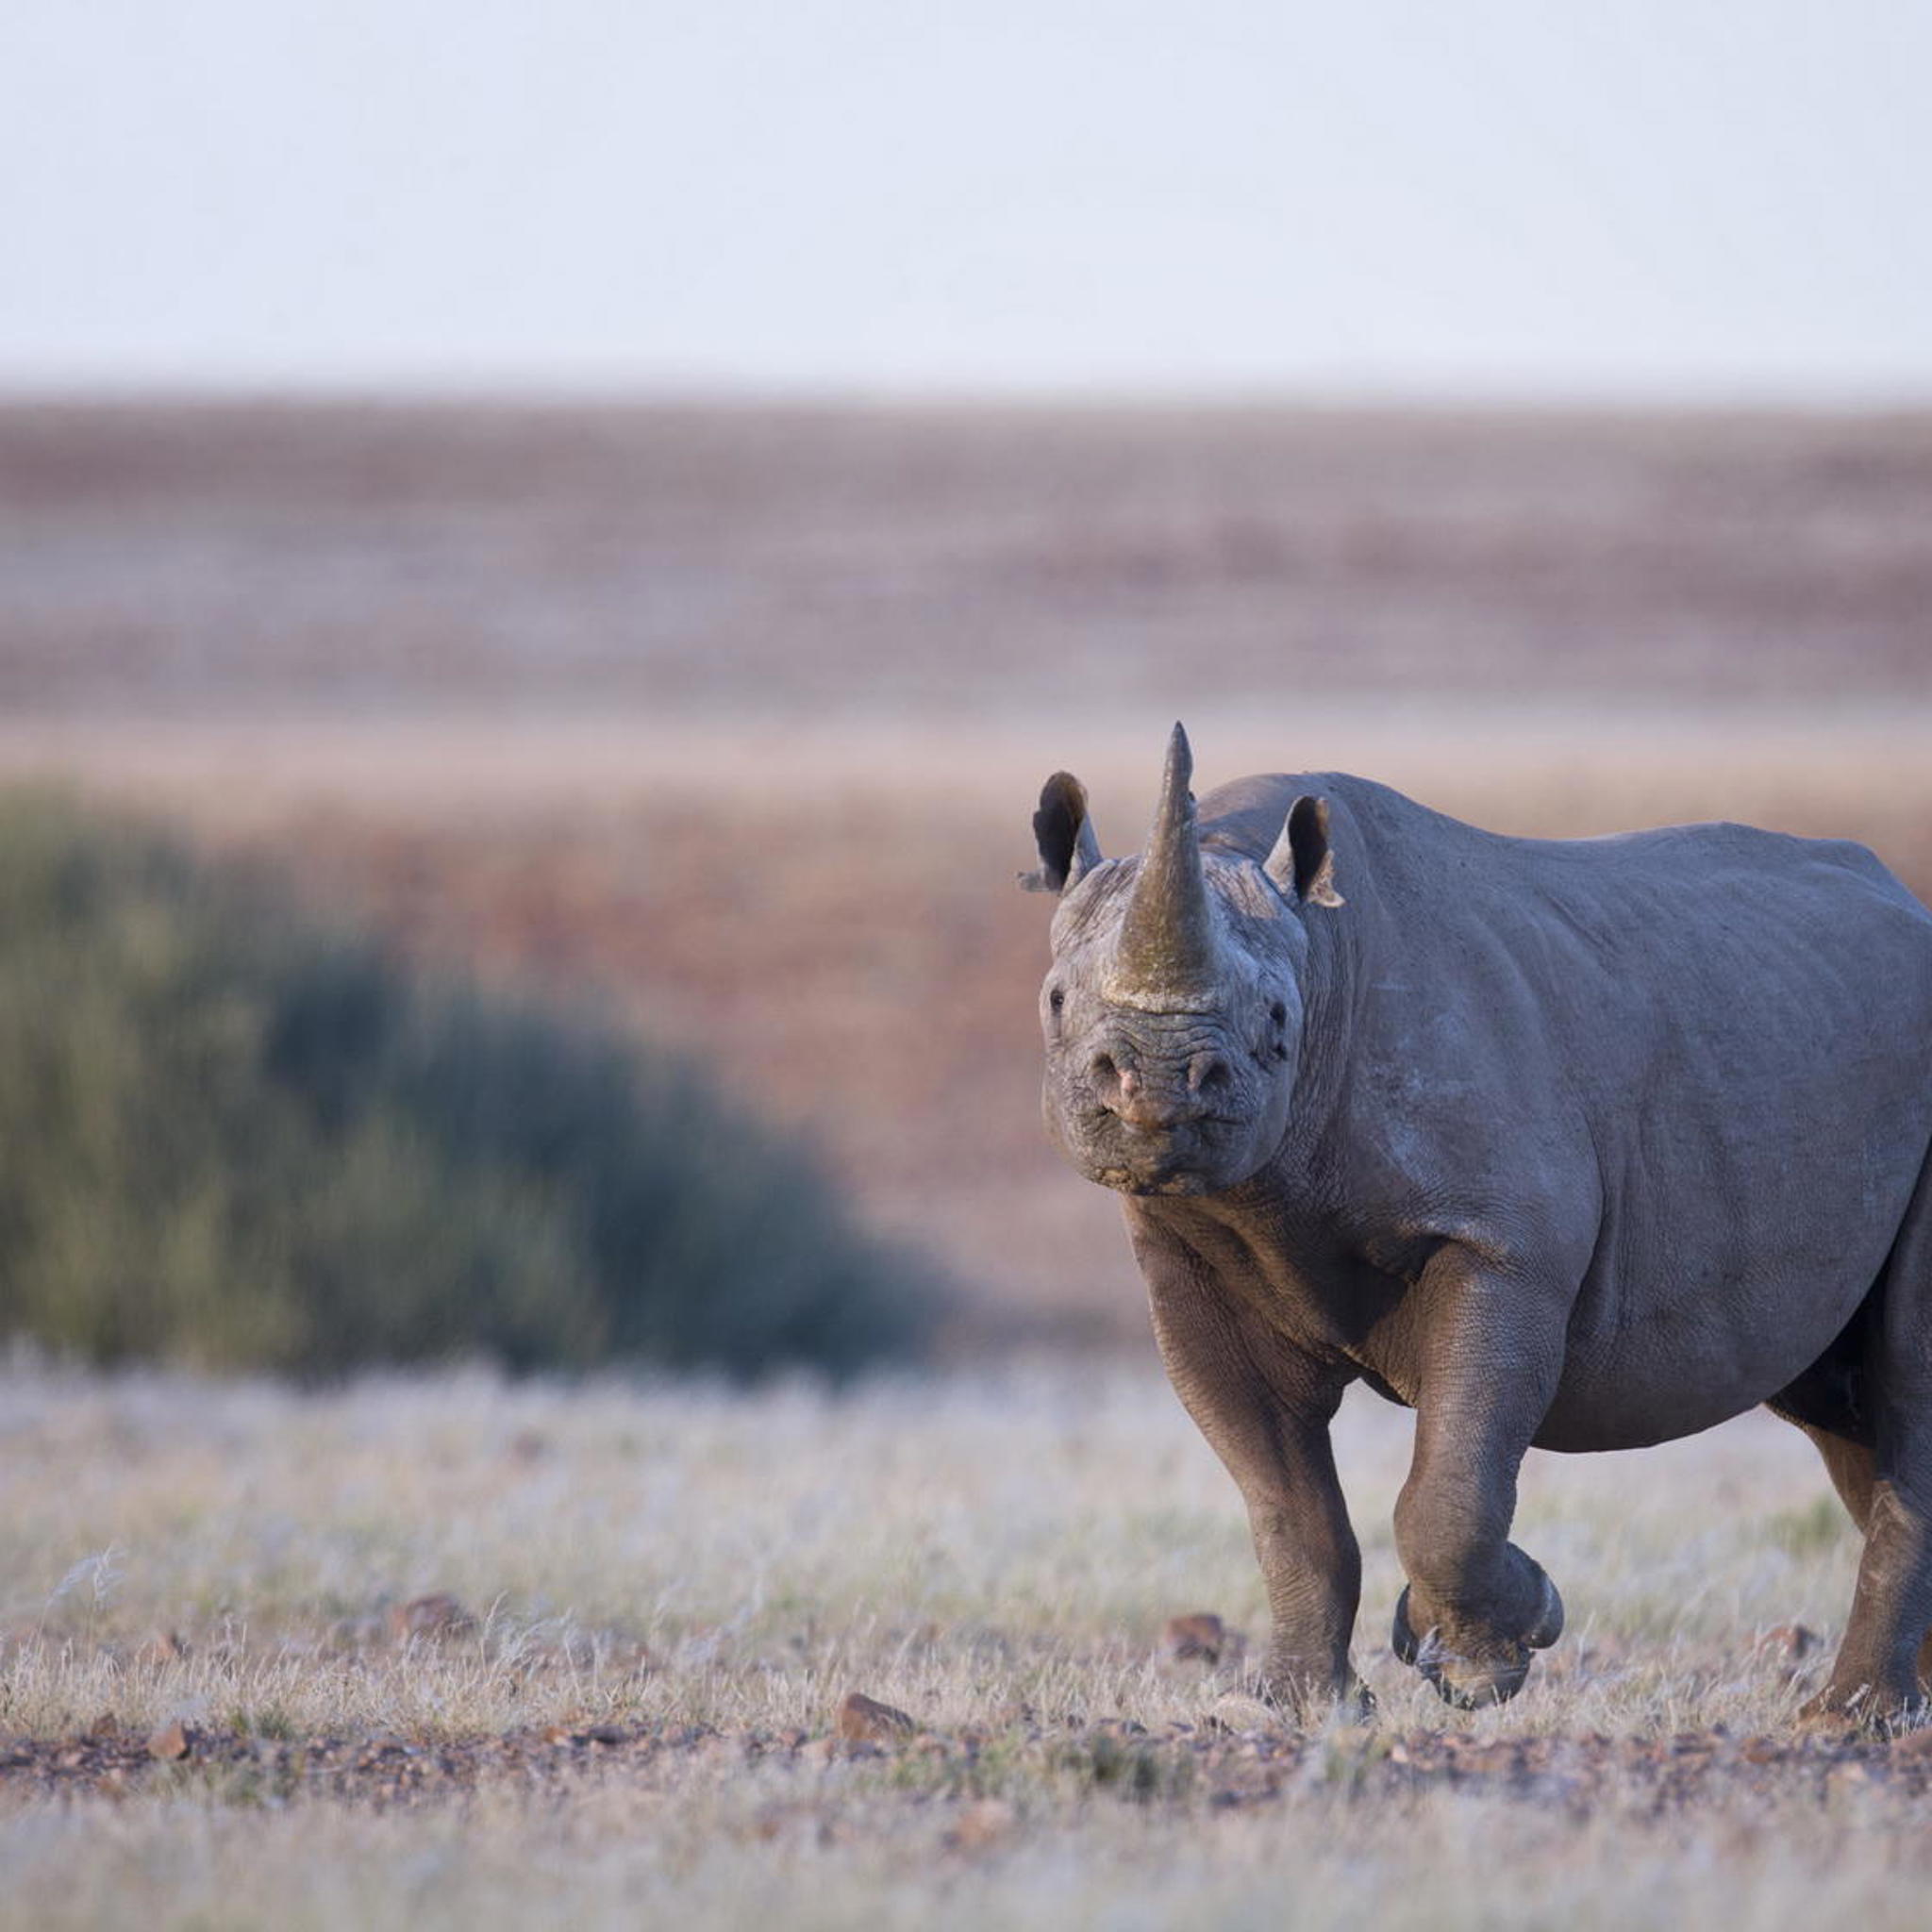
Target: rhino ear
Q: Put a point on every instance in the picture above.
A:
(1064, 834)
(1303, 862)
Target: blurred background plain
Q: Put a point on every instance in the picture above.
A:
(629, 501)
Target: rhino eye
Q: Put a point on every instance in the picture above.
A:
(1056, 999)
(1278, 1013)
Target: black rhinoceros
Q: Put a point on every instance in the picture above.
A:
(1579, 1144)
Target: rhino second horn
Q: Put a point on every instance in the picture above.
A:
(1168, 946)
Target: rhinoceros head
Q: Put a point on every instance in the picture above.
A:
(1173, 1013)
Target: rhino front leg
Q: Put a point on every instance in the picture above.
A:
(1265, 1408)
(1476, 1606)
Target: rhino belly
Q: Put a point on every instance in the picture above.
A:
(1717, 1286)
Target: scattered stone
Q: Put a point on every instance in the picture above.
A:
(163, 1647)
(1790, 1642)
(864, 1719)
(438, 1614)
(171, 1742)
(106, 1726)
(1201, 1634)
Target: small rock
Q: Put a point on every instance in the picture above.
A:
(171, 1742)
(106, 1726)
(864, 1719)
(1792, 1641)
(163, 1647)
(1913, 1745)
(1201, 1634)
(436, 1615)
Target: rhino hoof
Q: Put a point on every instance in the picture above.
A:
(1473, 1683)
(1401, 1639)
(1467, 1684)
(1860, 1712)
(1549, 1617)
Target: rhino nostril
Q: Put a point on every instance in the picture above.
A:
(1209, 1073)
(1103, 1072)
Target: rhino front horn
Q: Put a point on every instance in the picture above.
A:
(1168, 951)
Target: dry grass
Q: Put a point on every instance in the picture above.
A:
(667, 1558)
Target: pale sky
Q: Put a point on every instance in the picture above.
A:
(1442, 198)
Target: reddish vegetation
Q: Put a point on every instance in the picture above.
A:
(929, 559)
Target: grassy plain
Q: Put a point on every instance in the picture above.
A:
(732, 719)
(666, 1591)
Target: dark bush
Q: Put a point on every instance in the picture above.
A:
(230, 1138)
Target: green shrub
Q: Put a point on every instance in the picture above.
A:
(229, 1139)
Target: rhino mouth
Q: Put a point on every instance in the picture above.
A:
(1185, 1165)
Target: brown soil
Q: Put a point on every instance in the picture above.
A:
(1181, 1765)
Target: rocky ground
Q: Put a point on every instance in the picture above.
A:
(1239, 1758)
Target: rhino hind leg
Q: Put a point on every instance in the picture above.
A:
(1867, 1405)
(1854, 1475)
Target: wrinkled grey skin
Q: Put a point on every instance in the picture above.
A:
(1576, 1145)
